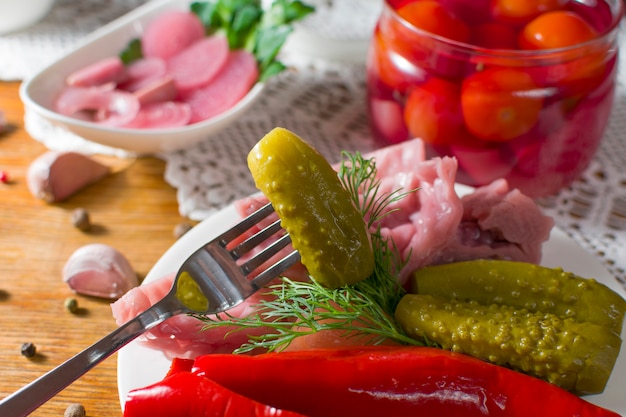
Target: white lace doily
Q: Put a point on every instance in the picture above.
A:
(322, 99)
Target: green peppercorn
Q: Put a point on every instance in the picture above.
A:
(71, 305)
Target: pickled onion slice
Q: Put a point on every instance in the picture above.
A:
(161, 115)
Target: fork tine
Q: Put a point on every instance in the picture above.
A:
(275, 270)
(254, 241)
(245, 224)
(265, 254)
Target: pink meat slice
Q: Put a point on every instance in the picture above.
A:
(419, 223)
(498, 223)
(171, 32)
(161, 115)
(107, 106)
(229, 86)
(434, 225)
(199, 63)
(142, 73)
(182, 336)
(104, 71)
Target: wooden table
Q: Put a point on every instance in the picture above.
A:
(134, 210)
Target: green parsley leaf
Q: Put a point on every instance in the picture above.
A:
(132, 52)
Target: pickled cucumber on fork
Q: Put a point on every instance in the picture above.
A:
(325, 227)
(524, 285)
(577, 356)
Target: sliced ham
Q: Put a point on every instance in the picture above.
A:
(104, 71)
(199, 63)
(500, 223)
(171, 32)
(182, 336)
(423, 221)
(230, 85)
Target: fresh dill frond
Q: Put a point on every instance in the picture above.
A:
(359, 176)
(363, 310)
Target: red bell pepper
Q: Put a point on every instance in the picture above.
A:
(185, 394)
(390, 382)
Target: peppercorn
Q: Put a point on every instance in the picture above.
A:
(29, 349)
(181, 228)
(80, 219)
(4, 177)
(71, 304)
(75, 410)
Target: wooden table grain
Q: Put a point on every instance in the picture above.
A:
(133, 210)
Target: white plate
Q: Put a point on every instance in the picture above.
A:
(38, 92)
(139, 366)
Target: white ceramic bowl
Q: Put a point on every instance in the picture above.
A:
(38, 93)
(16, 14)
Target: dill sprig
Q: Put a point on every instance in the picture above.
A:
(363, 310)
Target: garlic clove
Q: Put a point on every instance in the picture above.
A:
(99, 270)
(55, 176)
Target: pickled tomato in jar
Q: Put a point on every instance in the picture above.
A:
(514, 89)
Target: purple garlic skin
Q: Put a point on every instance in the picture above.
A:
(99, 270)
(55, 176)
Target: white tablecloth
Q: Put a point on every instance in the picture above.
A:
(322, 98)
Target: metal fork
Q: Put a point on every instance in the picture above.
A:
(212, 280)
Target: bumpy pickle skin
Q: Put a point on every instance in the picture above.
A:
(314, 207)
(524, 285)
(578, 357)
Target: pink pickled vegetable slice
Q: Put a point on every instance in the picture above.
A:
(388, 119)
(199, 63)
(112, 107)
(161, 115)
(170, 33)
(483, 164)
(229, 86)
(160, 90)
(107, 70)
(143, 72)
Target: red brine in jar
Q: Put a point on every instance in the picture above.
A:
(515, 89)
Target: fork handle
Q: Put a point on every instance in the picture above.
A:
(30, 397)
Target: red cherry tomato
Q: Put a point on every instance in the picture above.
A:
(556, 30)
(522, 11)
(433, 112)
(387, 64)
(500, 104)
(433, 17)
(494, 36)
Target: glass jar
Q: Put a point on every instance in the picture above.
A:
(467, 88)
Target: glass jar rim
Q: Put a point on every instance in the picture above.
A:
(617, 12)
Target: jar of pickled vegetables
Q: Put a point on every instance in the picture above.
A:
(514, 89)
